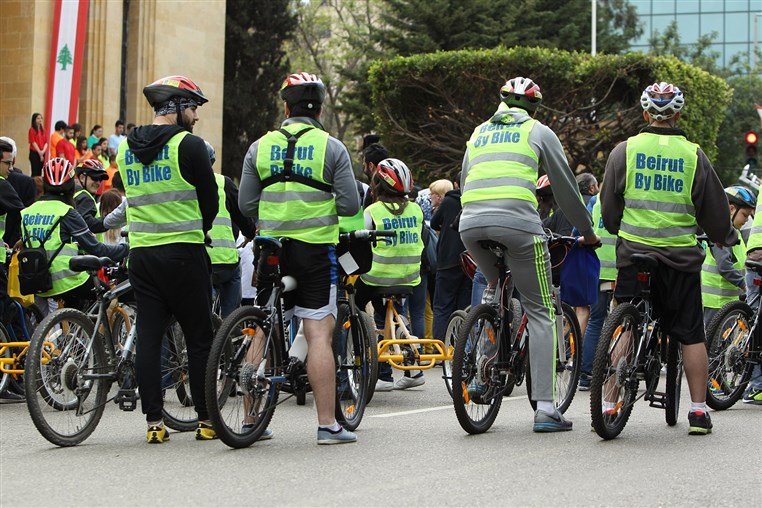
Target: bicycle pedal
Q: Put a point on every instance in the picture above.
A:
(658, 400)
(127, 399)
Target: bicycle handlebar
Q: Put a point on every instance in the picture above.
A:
(366, 234)
(570, 240)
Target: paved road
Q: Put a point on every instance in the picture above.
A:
(411, 452)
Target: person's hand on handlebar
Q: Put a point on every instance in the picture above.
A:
(591, 240)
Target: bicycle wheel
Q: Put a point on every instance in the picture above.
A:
(451, 337)
(727, 340)
(351, 349)
(477, 391)
(614, 385)
(240, 389)
(674, 381)
(370, 331)
(65, 399)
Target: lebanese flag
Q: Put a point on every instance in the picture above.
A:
(67, 52)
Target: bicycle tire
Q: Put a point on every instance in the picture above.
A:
(52, 387)
(727, 339)
(619, 336)
(226, 370)
(450, 338)
(352, 355)
(674, 382)
(475, 414)
(370, 331)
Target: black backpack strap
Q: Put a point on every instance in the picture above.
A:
(28, 240)
(288, 164)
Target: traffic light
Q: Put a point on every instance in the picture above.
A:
(750, 154)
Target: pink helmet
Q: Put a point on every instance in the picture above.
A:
(58, 173)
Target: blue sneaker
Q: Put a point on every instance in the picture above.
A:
(327, 436)
(544, 422)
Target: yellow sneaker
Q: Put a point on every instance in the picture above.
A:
(157, 434)
(205, 432)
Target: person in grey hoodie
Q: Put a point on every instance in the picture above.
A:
(503, 160)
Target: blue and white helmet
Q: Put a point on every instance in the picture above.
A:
(662, 100)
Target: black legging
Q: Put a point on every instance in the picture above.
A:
(171, 280)
(35, 163)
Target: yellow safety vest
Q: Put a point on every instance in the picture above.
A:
(399, 262)
(607, 252)
(716, 291)
(223, 249)
(163, 207)
(658, 207)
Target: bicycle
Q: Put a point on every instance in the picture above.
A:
(492, 355)
(76, 357)
(633, 349)
(249, 361)
(734, 348)
(15, 335)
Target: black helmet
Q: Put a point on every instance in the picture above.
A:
(303, 88)
(165, 89)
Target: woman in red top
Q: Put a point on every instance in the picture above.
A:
(38, 145)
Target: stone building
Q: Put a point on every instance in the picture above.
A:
(163, 37)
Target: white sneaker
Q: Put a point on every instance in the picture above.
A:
(405, 382)
(384, 386)
(489, 294)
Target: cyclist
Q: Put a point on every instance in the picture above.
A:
(723, 276)
(658, 188)
(39, 221)
(90, 174)
(753, 394)
(396, 263)
(223, 251)
(172, 198)
(297, 180)
(500, 168)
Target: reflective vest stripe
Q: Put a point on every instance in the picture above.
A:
(291, 225)
(500, 182)
(721, 291)
(667, 232)
(223, 221)
(307, 197)
(161, 197)
(716, 290)
(506, 156)
(755, 235)
(171, 227)
(396, 260)
(659, 206)
(608, 240)
(412, 279)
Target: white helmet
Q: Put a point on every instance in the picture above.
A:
(662, 100)
(394, 176)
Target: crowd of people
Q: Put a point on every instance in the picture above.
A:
(190, 231)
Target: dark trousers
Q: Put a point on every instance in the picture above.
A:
(453, 292)
(171, 280)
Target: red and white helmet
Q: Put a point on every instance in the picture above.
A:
(58, 173)
(543, 186)
(303, 87)
(522, 93)
(662, 100)
(394, 176)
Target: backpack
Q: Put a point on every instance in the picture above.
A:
(34, 265)
(430, 249)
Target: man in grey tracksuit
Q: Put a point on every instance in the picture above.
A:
(503, 159)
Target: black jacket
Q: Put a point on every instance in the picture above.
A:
(450, 245)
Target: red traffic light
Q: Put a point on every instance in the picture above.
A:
(751, 137)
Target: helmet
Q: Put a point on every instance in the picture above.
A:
(58, 173)
(741, 196)
(522, 93)
(92, 168)
(210, 151)
(303, 88)
(662, 100)
(165, 89)
(394, 176)
(543, 186)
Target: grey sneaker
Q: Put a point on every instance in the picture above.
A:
(405, 382)
(267, 434)
(384, 386)
(341, 436)
(544, 422)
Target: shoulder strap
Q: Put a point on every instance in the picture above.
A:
(288, 164)
(28, 239)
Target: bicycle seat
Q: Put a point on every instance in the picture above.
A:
(268, 242)
(754, 266)
(491, 244)
(393, 291)
(88, 263)
(644, 260)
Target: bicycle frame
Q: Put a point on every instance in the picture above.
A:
(10, 365)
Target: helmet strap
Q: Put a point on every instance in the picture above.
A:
(179, 113)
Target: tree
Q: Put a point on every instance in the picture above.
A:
(64, 57)
(699, 53)
(255, 66)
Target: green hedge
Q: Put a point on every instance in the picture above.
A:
(426, 106)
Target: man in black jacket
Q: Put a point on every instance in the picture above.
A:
(26, 191)
(453, 288)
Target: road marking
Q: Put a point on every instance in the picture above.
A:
(429, 409)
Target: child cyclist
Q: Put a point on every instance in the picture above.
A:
(723, 273)
(397, 262)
